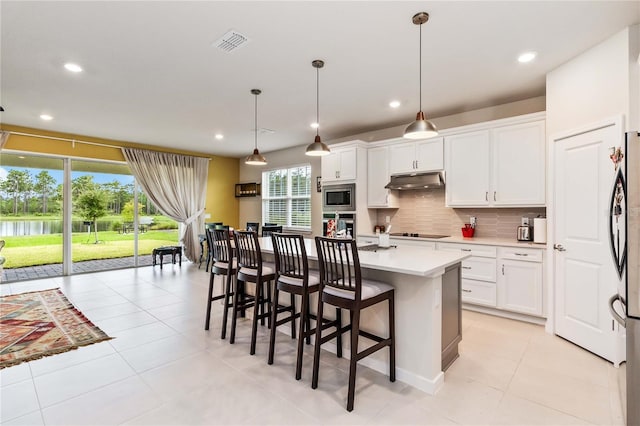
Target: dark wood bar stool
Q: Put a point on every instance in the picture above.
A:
(293, 276)
(223, 264)
(341, 285)
(267, 230)
(251, 269)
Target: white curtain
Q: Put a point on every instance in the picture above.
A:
(177, 185)
(4, 137)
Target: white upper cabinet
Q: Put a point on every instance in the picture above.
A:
(467, 170)
(503, 166)
(339, 165)
(377, 177)
(519, 164)
(413, 157)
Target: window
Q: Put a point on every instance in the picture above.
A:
(286, 197)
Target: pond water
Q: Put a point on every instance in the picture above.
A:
(40, 227)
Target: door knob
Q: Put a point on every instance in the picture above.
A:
(559, 247)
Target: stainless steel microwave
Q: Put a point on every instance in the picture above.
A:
(339, 198)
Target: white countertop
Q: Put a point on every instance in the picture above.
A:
(504, 242)
(404, 260)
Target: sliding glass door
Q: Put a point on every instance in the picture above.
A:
(31, 212)
(61, 216)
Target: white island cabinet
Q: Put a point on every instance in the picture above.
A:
(427, 310)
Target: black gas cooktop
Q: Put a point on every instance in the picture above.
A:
(417, 235)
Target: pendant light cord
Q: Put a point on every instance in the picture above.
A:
(420, 60)
(317, 101)
(255, 129)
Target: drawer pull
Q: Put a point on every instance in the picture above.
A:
(521, 254)
(465, 249)
(466, 291)
(466, 267)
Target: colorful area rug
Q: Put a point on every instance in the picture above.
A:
(42, 323)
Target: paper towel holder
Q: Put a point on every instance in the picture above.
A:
(540, 229)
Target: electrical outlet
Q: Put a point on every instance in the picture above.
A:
(387, 219)
(472, 221)
(525, 221)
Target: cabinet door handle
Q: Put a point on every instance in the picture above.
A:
(486, 196)
(494, 195)
(465, 249)
(466, 267)
(503, 269)
(521, 254)
(466, 291)
(417, 165)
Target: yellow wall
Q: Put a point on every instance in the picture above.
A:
(224, 172)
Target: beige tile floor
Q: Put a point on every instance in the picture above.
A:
(163, 368)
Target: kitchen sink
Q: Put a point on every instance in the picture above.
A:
(374, 247)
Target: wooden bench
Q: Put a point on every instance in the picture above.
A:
(167, 250)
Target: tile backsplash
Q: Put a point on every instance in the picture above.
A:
(425, 212)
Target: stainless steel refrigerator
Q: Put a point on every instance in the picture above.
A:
(625, 248)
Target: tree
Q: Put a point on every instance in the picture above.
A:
(92, 205)
(127, 211)
(81, 184)
(17, 182)
(44, 187)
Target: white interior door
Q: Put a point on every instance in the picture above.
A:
(584, 271)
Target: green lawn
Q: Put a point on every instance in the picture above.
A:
(31, 250)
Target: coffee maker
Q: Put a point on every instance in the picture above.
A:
(524, 232)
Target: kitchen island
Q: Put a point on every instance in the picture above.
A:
(427, 309)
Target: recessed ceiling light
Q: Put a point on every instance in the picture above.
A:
(527, 57)
(394, 104)
(46, 117)
(73, 67)
(21, 157)
(315, 125)
(219, 136)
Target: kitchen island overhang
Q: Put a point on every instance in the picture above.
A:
(417, 276)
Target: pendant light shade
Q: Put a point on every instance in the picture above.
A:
(256, 159)
(421, 128)
(317, 148)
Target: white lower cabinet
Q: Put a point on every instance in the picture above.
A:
(479, 292)
(478, 273)
(505, 278)
(520, 281)
(409, 242)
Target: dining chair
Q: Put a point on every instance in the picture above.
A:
(253, 226)
(209, 225)
(267, 230)
(294, 277)
(251, 269)
(342, 286)
(224, 264)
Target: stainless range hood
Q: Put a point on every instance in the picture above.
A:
(417, 181)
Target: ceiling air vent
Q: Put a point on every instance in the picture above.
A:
(231, 41)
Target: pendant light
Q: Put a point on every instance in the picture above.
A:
(256, 159)
(317, 148)
(421, 128)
